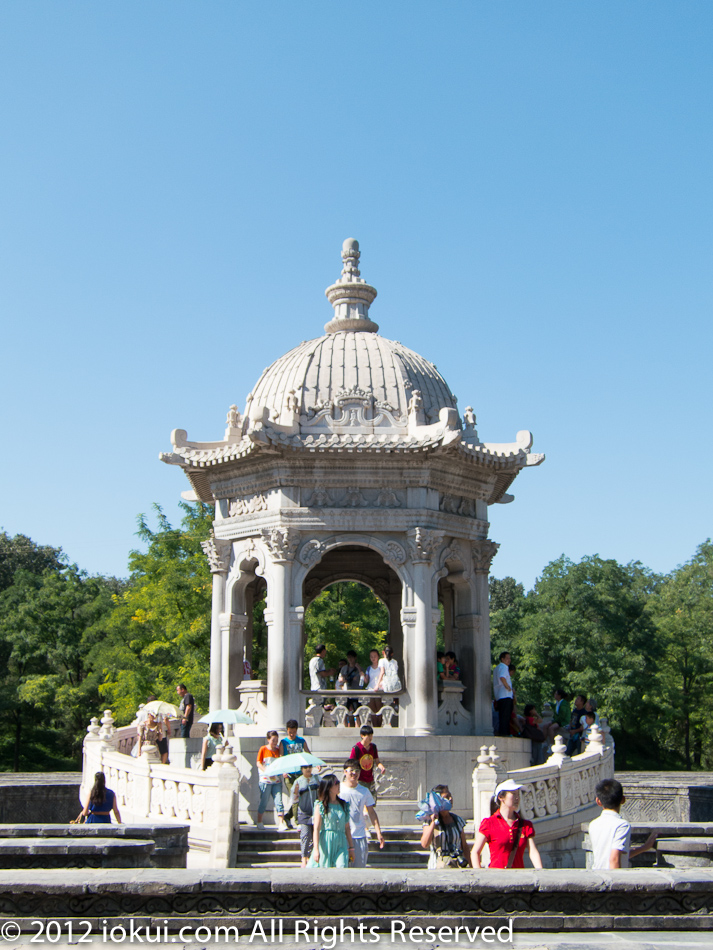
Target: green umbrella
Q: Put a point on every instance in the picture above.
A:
(288, 764)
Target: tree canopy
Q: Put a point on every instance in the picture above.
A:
(72, 644)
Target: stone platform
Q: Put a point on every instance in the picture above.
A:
(667, 796)
(39, 796)
(560, 901)
(169, 843)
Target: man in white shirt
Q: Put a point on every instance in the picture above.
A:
(360, 800)
(317, 672)
(610, 834)
(502, 693)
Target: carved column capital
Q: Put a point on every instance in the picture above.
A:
(483, 553)
(423, 544)
(282, 543)
(218, 554)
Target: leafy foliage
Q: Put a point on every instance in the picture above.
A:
(345, 616)
(158, 632)
(71, 645)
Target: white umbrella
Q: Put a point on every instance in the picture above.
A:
(159, 708)
(228, 717)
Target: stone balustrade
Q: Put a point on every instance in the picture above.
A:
(339, 715)
(557, 797)
(148, 791)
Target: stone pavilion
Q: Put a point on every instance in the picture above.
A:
(351, 461)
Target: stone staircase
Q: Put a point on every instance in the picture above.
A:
(272, 849)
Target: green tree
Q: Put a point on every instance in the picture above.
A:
(682, 610)
(345, 616)
(585, 628)
(48, 623)
(159, 631)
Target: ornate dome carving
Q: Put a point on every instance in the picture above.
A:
(351, 367)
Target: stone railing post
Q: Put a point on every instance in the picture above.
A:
(224, 848)
(486, 776)
(107, 733)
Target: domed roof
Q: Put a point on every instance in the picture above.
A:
(351, 360)
(352, 363)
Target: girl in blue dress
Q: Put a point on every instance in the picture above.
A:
(333, 845)
(102, 802)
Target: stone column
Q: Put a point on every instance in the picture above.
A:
(284, 629)
(218, 554)
(423, 718)
(482, 553)
(232, 628)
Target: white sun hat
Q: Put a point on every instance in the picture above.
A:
(509, 786)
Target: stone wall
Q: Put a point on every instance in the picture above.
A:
(39, 796)
(667, 796)
(570, 900)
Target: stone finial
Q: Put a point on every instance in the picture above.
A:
(596, 739)
(559, 752)
(350, 295)
(93, 728)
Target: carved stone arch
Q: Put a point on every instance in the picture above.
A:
(314, 587)
(392, 552)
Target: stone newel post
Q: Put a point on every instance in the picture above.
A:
(486, 777)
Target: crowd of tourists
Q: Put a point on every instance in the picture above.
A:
(573, 724)
(331, 813)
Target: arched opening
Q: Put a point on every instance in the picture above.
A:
(352, 601)
(345, 616)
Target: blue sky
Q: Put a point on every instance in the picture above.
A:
(530, 184)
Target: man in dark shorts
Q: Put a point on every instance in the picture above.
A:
(186, 708)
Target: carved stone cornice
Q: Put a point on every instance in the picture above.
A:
(282, 543)
(423, 544)
(218, 554)
(483, 553)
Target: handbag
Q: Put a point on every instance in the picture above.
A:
(444, 861)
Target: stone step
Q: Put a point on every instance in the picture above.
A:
(280, 858)
(277, 844)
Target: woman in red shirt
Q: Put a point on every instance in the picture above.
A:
(503, 829)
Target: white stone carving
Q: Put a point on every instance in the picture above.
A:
(353, 409)
(424, 543)
(320, 498)
(483, 553)
(282, 543)
(387, 499)
(247, 505)
(354, 498)
(395, 554)
(234, 419)
(218, 554)
(311, 552)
